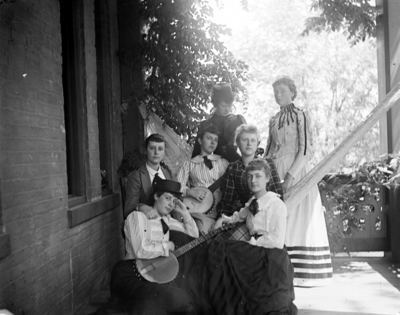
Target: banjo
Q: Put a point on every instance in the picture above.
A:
(210, 200)
(165, 269)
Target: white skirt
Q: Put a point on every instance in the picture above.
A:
(306, 236)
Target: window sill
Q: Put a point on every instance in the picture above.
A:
(74, 201)
(5, 247)
(87, 211)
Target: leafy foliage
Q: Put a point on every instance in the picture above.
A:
(356, 17)
(182, 59)
(336, 82)
(344, 193)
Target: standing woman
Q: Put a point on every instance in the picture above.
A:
(226, 122)
(139, 182)
(290, 146)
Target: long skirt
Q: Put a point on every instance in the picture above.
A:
(215, 278)
(306, 235)
(234, 277)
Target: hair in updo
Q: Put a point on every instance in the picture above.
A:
(248, 129)
(259, 164)
(285, 80)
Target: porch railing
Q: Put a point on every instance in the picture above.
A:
(299, 191)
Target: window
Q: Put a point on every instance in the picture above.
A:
(71, 13)
(88, 100)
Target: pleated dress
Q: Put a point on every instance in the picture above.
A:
(290, 146)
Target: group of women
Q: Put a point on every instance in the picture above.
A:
(290, 146)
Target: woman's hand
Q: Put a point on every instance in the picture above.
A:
(171, 246)
(180, 207)
(182, 210)
(220, 222)
(287, 183)
(148, 211)
(196, 194)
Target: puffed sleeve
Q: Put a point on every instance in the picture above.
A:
(183, 177)
(138, 238)
(274, 226)
(305, 143)
(133, 186)
(238, 216)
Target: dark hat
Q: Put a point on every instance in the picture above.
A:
(222, 92)
(166, 185)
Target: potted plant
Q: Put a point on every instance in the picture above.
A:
(350, 198)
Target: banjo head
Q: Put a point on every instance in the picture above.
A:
(166, 271)
(195, 206)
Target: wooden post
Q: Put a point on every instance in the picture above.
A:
(300, 190)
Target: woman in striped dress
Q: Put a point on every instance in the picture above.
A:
(290, 147)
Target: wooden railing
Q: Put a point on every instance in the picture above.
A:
(299, 191)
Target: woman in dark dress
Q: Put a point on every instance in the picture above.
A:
(226, 122)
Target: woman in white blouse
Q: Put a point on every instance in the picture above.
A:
(290, 146)
(148, 239)
(254, 276)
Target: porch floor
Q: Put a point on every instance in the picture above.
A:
(361, 285)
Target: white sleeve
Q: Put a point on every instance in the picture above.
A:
(138, 238)
(274, 226)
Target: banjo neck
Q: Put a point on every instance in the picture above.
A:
(216, 184)
(185, 248)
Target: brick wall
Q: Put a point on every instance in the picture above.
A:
(52, 269)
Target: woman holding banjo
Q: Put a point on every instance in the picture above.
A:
(147, 239)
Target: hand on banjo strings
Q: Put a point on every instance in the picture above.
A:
(221, 221)
(197, 194)
(171, 246)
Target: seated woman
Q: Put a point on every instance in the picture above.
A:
(254, 277)
(203, 171)
(148, 239)
(139, 182)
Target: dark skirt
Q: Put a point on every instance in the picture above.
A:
(220, 277)
(234, 277)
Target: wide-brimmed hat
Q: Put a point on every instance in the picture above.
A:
(222, 92)
(166, 185)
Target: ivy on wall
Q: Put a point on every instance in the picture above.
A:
(183, 57)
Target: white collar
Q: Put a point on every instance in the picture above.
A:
(268, 195)
(152, 171)
(200, 159)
